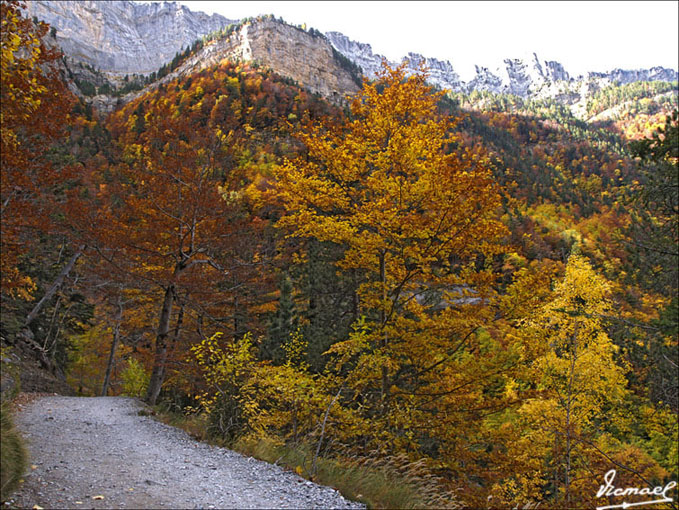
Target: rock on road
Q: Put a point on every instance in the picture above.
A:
(84, 448)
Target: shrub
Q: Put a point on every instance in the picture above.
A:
(135, 379)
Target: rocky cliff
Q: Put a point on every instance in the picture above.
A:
(441, 73)
(124, 37)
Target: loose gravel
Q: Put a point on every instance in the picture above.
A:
(101, 453)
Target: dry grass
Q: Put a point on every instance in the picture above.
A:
(393, 482)
(13, 456)
(193, 424)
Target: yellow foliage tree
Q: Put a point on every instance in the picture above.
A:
(21, 91)
(255, 400)
(580, 385)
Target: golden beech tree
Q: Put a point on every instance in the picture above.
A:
(417, 215)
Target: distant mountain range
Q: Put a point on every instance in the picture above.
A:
(123, 37)
(518, 76)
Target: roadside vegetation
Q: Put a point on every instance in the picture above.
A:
(13, 455)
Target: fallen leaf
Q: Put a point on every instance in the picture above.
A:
(78, 502)
(98, 497)
(37, 507)
(33, 466)
(130, 489)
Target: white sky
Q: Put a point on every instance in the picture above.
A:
(581, 35)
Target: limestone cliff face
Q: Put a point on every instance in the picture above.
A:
(359, 53)
(441, 73)
(294, 53)
(629, 76)
(123, 37)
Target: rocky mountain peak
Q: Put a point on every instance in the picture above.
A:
(359, 53)
(292, 52)
(441, 72)
(555, 72)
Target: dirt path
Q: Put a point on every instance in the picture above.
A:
(85, 448)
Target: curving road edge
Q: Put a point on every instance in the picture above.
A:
(100, 453)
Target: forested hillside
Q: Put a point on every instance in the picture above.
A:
(473, 294)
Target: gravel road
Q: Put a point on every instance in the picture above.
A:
(100, 453)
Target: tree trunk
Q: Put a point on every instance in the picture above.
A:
(236, 324)
(26, 334)
(156, 381)
(55, 286)
(354, 298)
(383, 321)
(569, 402)
(175, 337)
(53, 321)
(556, 469)
(114, 346)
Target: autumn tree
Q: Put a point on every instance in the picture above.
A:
(37, 178)
(654, 232)
(178, 220)
(652, 241)
(581, 394)
(34, 109)
(414, 212)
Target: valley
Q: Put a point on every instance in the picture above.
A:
(421, 291)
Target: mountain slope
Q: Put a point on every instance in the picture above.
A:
(292, 52)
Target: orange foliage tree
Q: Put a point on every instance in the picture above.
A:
(178, 221)
(416, 213)
(33, 112)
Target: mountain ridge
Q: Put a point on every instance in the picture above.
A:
(273, 44)
(518, 77)
(127, 37)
